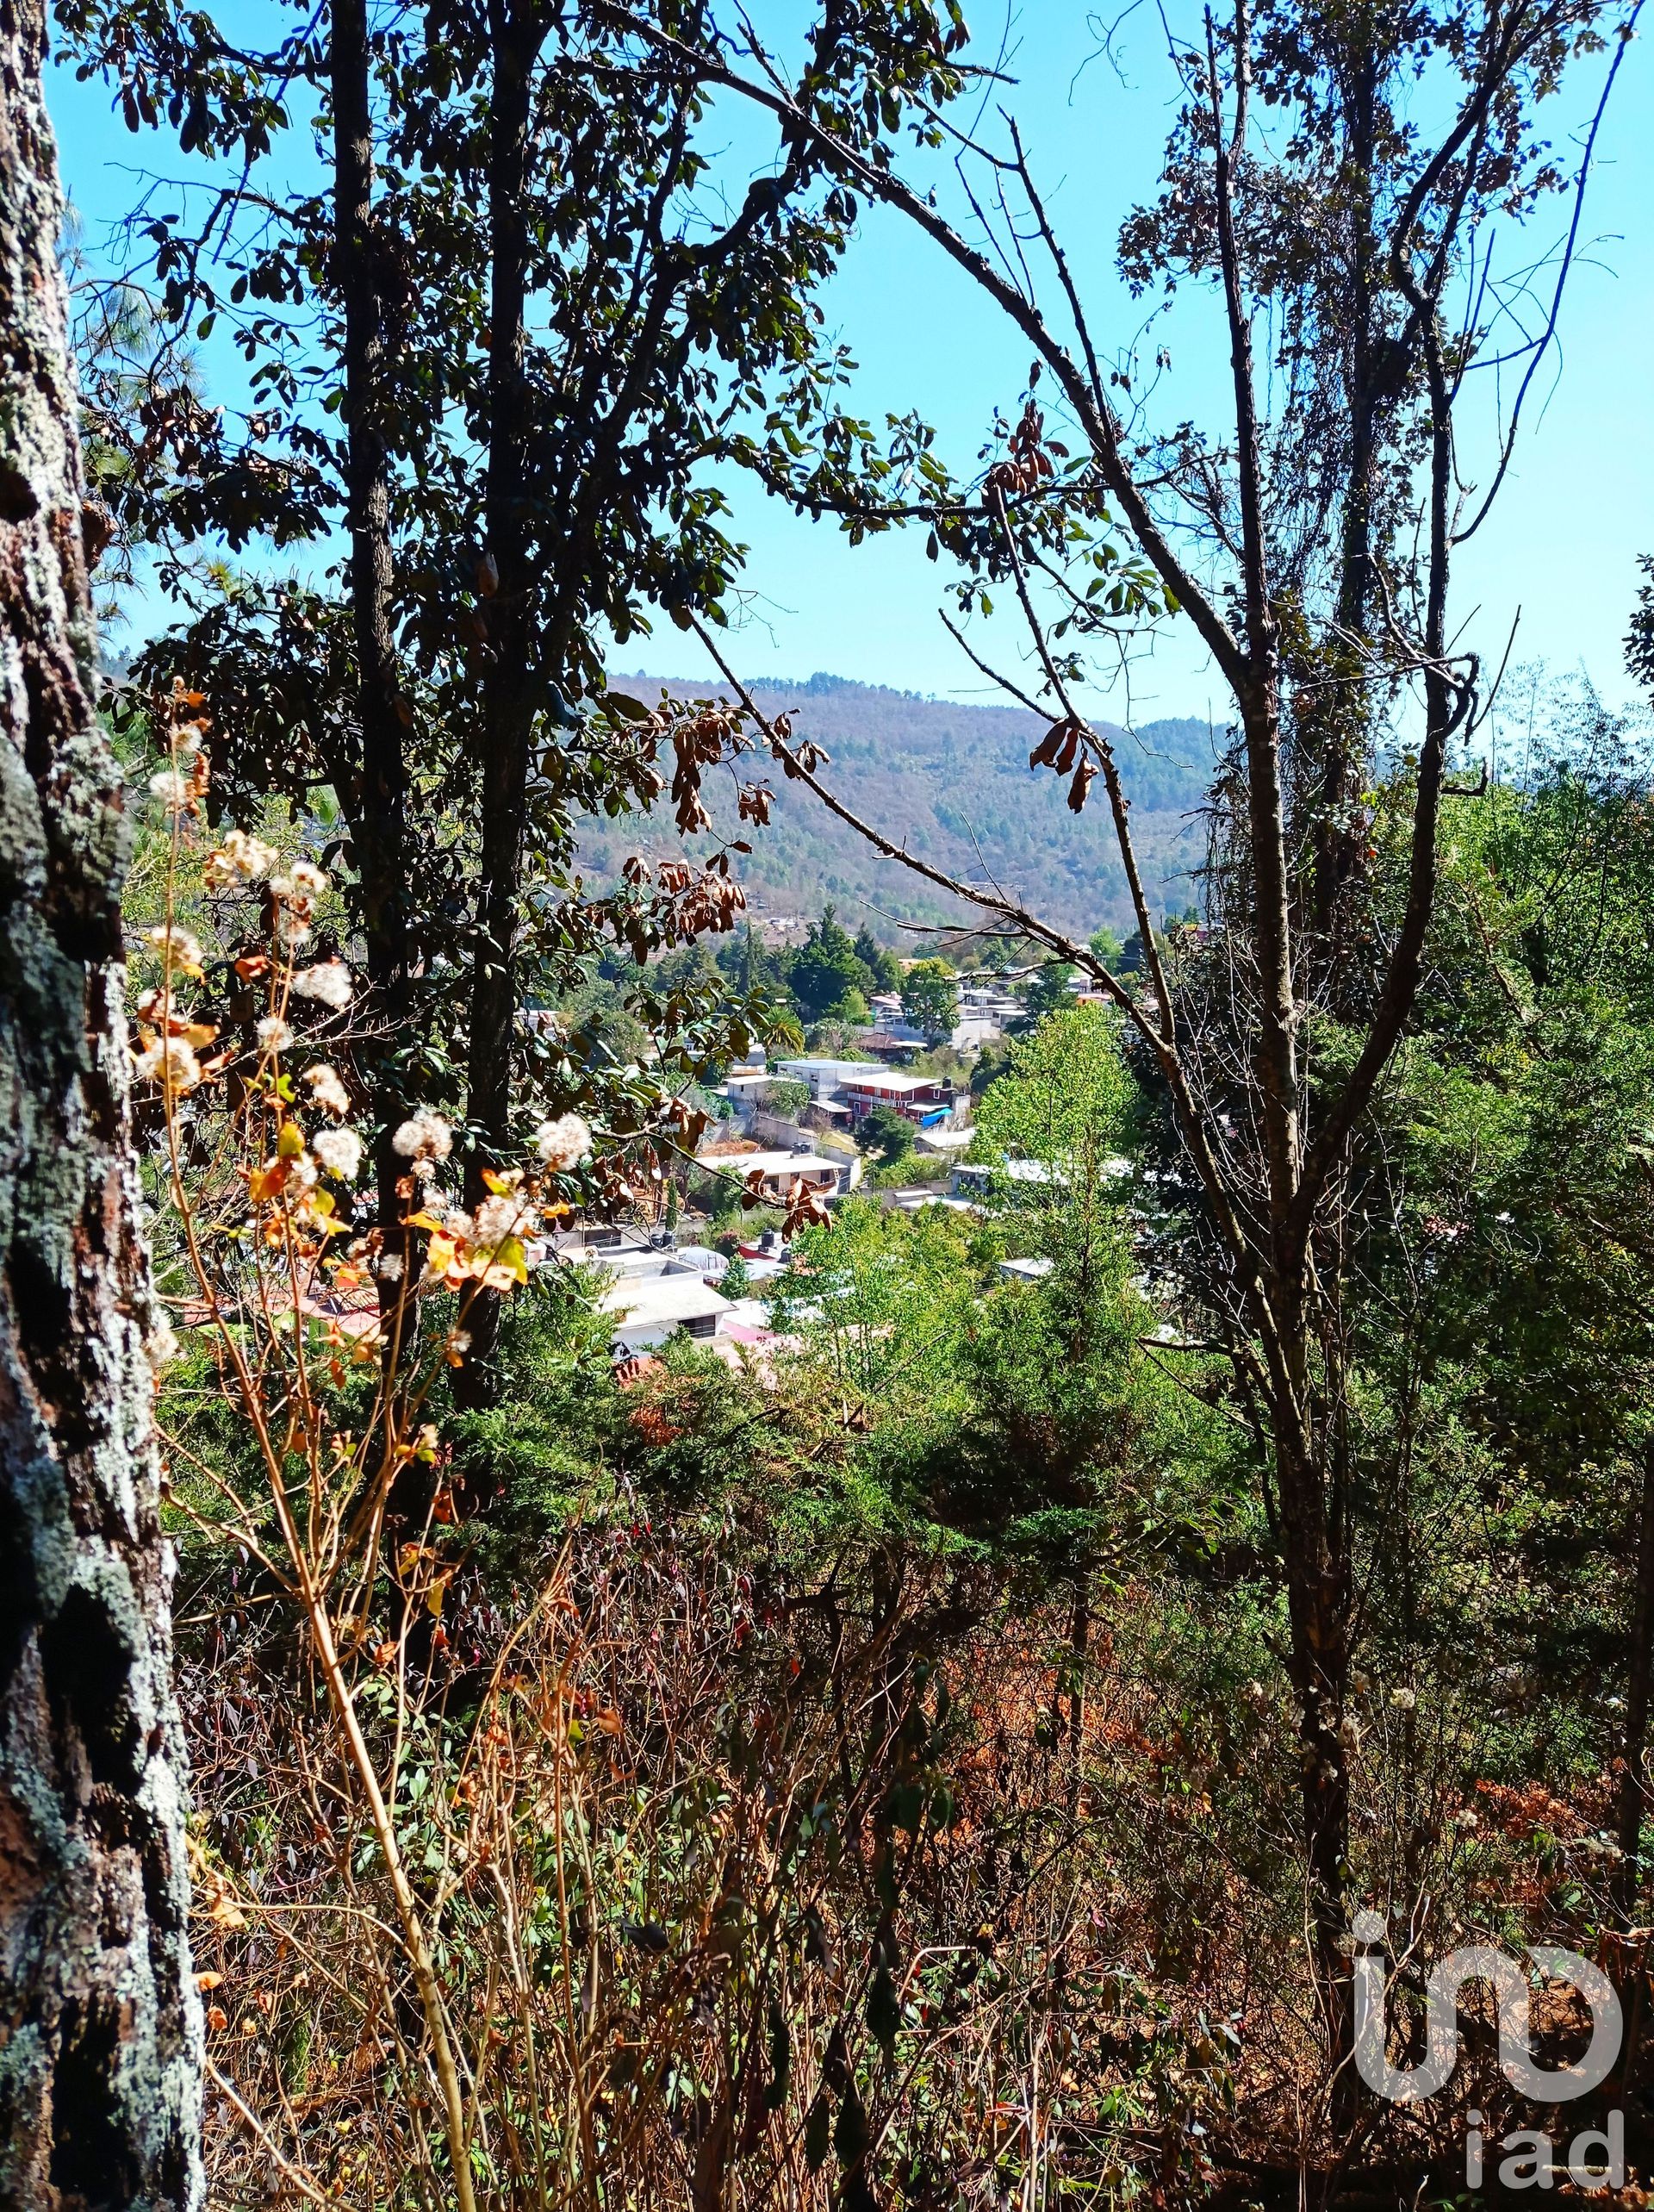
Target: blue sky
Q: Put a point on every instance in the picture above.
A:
(1562, 545)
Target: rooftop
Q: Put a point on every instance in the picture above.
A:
(808, 1067)
(886, 1079)
(783, 1163)
(645, 1299)
(1012, 1171)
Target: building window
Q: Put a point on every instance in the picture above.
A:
(702, 1324)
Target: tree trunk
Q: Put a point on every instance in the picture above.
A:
(100, 2025)
(508, 702)
(1318, 1587)
(381, 826)
(1633, 1789)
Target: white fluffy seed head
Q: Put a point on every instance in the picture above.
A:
(499, 1216)
(563, 1144)
(329, 981)
(338, 1150)
(423, 1136)
(326, 1090)
(169, 1061)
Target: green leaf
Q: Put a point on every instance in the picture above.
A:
(817, 2133)
(781, 2060)
(852, 2136)
(621, 707)
(884, 2010)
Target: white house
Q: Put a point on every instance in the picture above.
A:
(825, 1078)
(652, 1291)
(786, 1175)
(647, 1309)
(1025, 1271)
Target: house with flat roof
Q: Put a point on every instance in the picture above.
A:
(786, 1177)
(647, 1309)
(824, 1079)
(651, 1290)
(920, 1098)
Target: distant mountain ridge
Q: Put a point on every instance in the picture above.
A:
(952, 784)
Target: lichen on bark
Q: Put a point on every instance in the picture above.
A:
(100, 2024)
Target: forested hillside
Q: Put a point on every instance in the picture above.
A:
(952, 784)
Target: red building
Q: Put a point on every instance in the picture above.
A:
(918, 1099)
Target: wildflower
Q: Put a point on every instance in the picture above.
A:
(390, 1267)
(460, 1341)
(1404, 1700)
(161, 1345)
(563, 1144)
(253, 858)
(177, 949)
(423, 1136)
(338, 1150)
(171, 1061)
(240, 857)
(291, 928)
(328, 981)
(170, 788)
(497, 1218)
(326, 1090)
(308, 881)
(273, 1034)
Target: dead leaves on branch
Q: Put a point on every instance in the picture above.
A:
(1028, 463)
(700, 739)
(1062, 750)
(803, 758)
(807, 1209)
(686, 902)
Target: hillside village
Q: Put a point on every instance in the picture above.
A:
(772, 1444)
(796, 1130)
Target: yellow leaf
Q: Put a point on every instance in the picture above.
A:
(290, 1142)
(510, 1257)
(266, 1181)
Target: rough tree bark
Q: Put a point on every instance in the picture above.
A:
(100, 2025)
(1634, 1784)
